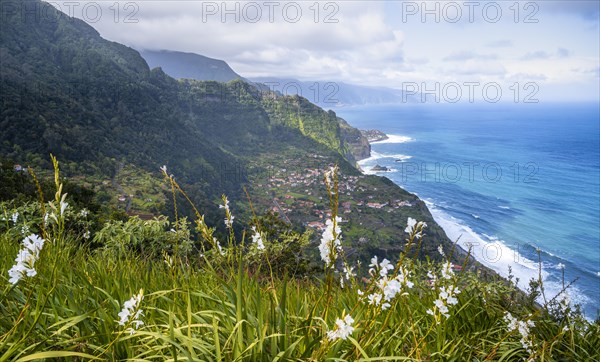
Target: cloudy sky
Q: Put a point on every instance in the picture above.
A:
(547, 47)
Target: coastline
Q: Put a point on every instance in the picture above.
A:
(489, 252)
(458, 234)
(373, 155)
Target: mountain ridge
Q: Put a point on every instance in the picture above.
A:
(324, 93)
(190, 65)
(193, 66)
(328, 93)
(99, 108)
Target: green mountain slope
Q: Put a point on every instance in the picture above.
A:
(293, 111)
(190, 65)
(67, 91)
(98, 107)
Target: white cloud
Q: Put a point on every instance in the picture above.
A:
(368, 43)
(468, 55)
(503, 43)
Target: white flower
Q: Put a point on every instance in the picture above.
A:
(330, 241)
(84, 213)
(229, 221)
(447, 271)
(221, 251)
(374, 265)
(452, 300)
(439, 304)
(163, 168)
(131, 312)
(349, 272)
(25, 230)
(431, 276)
(403, 276)
(412, 226)
(375, 298)
(390, 289)
(63, 207)
(510, 321)
(560, 266)
(34, 244)
(564, 301)
(257, 239)
(523, 328)
(374, 262)
(446, 297)
(225, 204)
(26, 258)
(385, 266)
(228, 217)
(86, 234)
(343, 329)
(441, 250)
(15, 217)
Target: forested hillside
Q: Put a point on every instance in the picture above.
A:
(95, 103)
(112, 121)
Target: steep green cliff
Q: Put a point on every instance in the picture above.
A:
(113, 122)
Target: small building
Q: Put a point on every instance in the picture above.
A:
(316, 225)
(142, 216)
(375, 205)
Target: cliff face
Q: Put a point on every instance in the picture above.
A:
(96, 104)
(358, 147)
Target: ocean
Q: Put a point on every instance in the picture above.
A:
(507, 180)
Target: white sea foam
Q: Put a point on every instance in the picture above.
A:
(367, 170)
(496, 255)
(376, 156)
(401, 158)
(394, 138)
(368, 163)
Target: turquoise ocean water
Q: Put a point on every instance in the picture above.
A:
(506, 179)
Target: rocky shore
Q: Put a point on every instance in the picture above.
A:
(374, 135)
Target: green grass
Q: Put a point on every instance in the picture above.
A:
(202, 313)
(204, 306)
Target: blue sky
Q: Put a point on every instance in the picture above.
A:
(550, 47)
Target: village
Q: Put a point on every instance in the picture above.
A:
(299, 192)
